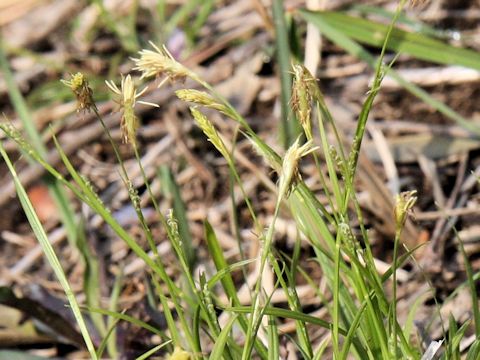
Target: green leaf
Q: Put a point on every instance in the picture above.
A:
(172, 190)
(196, 328)
(418, 45)
(290, 127)
(111, 331)
(287, 314)
(128, 318)
(473, 288)
(273, 342)
(220, 263)
(337, 36)
(225, 272)
(152, 351)
(414, 24)
(49, 253)
(474, 351)
(218, 349)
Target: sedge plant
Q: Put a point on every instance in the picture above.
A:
(362, 318)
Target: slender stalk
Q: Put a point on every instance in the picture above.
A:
(289, 126)
(256, 316)
(393, 345)
(133, 196)
(50, 254)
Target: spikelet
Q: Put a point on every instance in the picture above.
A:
(304, 91)
(161, 63)
(79, 85)
(289, 174)
(202, 98)
(210, 132)
(126, 97)
(179, 354)
(404, 203)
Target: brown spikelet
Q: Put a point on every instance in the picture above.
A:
(79, 85)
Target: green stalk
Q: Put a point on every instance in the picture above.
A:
(289, 126)
(133, 196)
(256, 316)
(336, 299)
(49, 253)
(393, 344)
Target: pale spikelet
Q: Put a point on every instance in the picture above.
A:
(207, 296)
(404, 203)
(126, 97)
(289, 174)
(160, 63)
(79, 85)
(172, 223)
(304, 91)
(347, 235)
(179, 354)
(134, 197)
(202, 98)
(210, 132)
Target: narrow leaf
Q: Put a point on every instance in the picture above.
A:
(416, 44)
(218, 349)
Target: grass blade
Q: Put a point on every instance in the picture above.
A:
(20, 106)
(226, 271)
(173, 191)
(218, 350)
(287, 314)
(418, 45)
(49, 253)
(91, 281)
(415, 25)
(152, 351)
(473, 288)
(290, 128)
(220, 263)
(201, 17)
(226, 278)
(129, 319)
(474, 351)
(273, 343)
(342, 40)
(107, 338)
(196, 328)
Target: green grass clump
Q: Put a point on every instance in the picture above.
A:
(362, 320)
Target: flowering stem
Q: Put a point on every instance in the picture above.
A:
(394, 292)
(133, 196)
(256, 316)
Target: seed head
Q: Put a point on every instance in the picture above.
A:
(304, 90)
(79, 85)
(404, 203)
(160, 63)
(203, 99)
(289, 174)
(210, 132)
(126, 98)
(179, 354)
